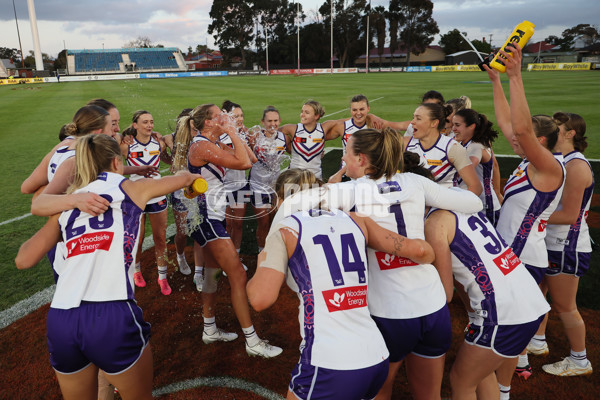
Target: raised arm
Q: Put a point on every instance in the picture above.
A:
(501, 107)
(542, 158)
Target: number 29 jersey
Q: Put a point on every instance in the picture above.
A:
(99, 254)
(329, 274)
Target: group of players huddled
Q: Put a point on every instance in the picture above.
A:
(375, 254)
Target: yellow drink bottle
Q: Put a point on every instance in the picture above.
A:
(197, 187)
(520, 35)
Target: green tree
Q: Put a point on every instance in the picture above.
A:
(482, 46)
(349, 27)
(588, 32)
(393, 16)
(378, 21)
(232, 25)
(276, 19)
(418, 26)
(8, 53)
(452, 42)
(61, 60)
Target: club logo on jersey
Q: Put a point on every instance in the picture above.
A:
(435, 162)
(136, 154)
(300, 140)
(388, 261)
(507, 261)
(542, 225)
(155, 153)
(345, 298)
(89, 243)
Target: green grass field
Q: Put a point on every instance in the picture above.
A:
(32, 115)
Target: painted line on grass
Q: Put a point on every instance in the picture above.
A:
(43, 297)
(220, 382)
(346, 109)
(8, 221)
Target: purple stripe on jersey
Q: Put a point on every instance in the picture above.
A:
(65, 150)
(131, 230)
(539, 204)
(298, 265)
(463, 248)
(574, 230)
(487, 188)
(209, 168)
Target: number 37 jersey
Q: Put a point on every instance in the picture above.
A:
(329, 273)
(98, 260)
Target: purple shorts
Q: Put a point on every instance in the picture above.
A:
(209, 230)
(111, 335)
(568, 262)
(504, 340)
(240, 198)
(537, 272)
(155, 208)
(310, 382)
(428, 336)
(262, 200)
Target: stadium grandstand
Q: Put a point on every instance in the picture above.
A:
(111, 61)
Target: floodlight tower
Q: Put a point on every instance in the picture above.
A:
(39, 63)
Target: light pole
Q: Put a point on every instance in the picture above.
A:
(331, 34)
(368, 18)
(19, 36)
(298, 33)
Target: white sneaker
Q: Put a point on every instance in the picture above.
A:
(538, 351)
(199, 281)
(219, 336)
(567, 367)
(184, 268)
(263, 349)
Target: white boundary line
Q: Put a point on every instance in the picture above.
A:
(224, 381)
(346, 109)
(8, 221)
(29, 305)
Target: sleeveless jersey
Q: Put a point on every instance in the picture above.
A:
(436, 159)
(484, 173)
(61, 154)
(235, 179)
(100, 250)
(501, 291)
(140, 154)
(399, 287)
(349, 129)
(307, 148)
(271, 154)
(329, 274)
(211, 204)
(524, 215)
(574, 237)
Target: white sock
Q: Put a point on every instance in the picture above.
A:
(251, 337)
(198, 270)
(523, 361)
(579, 357)
(138, 267)
(504, 392)
(210, 326)
(162, 272)
(538, 340)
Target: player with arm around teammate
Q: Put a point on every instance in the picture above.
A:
(322, 254)
(94, 321)
(505, 304)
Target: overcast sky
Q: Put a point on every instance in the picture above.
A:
(93, 24)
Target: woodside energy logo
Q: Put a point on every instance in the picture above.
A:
(345, 298)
